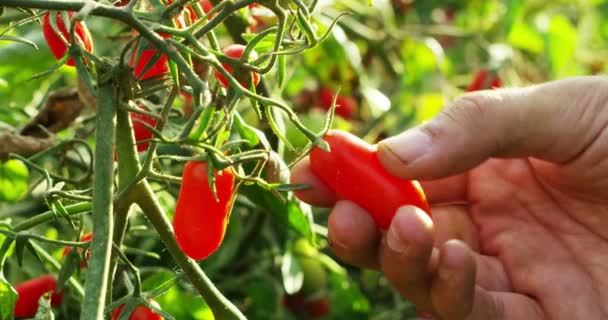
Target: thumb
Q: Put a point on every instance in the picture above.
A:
(554, 121)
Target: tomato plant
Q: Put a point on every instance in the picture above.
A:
(224, 151)
(236, 51)
(201, 216)
(30, 292)
(352, 169)
(58, 42)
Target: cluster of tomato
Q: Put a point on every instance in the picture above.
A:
(202, 210)
(195, 173)
(145, 60)
(30, 291)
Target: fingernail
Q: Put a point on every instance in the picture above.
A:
(394, 240)
(445, 273)
(408, 146)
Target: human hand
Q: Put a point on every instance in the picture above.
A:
(518, 183)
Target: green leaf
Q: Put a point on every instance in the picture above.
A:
(159, 282)
(429, 106)
(8, 298)
(18, 39)
(13, 180)
(513, 9)
(293, 277)
(562, 39)
(524, 37)
(378, 102)
(291, 213)
(70, 266)
(247, 132)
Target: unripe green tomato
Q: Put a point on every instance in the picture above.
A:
(315, 275)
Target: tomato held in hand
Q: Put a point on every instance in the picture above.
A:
(352, 169)
(483, 80)
(200, 219)
(345, 106)
(56, 43)
(86, 237)
(142, 133)
(30, 292)
(140, 313)
(236, 51)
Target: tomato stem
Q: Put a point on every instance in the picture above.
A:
(103, 221)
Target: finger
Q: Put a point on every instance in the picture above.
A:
(319, 194)
(500, 123)
(503, 306)
(446, 190)
(405, 254)
(454, 222)
(353, 236)
(453, 286)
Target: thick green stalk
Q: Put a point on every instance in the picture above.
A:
(103, 222)
(221, 307)
(128, 167)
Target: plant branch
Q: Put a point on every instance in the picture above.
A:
(103, 222)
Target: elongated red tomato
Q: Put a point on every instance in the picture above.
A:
(30, 292)
(345, 106)
(148, 53)
(485, 80)
(141, 131)
(200, 219)
(56, 44)
(352, 169)
(86, 237)
(236, 51)
(140, 313)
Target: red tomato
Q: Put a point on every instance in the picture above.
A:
(295, 303)
(30, 292)
(235, 51)
(160, 67)
(141, 132)
(86, 237)
(319, 307)
(485, 80)
(200, 220)
(299, 305)
(352, 169)
(207, 7)
(261, 18)
(140, 313)
(56, 44)
(345, 106)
